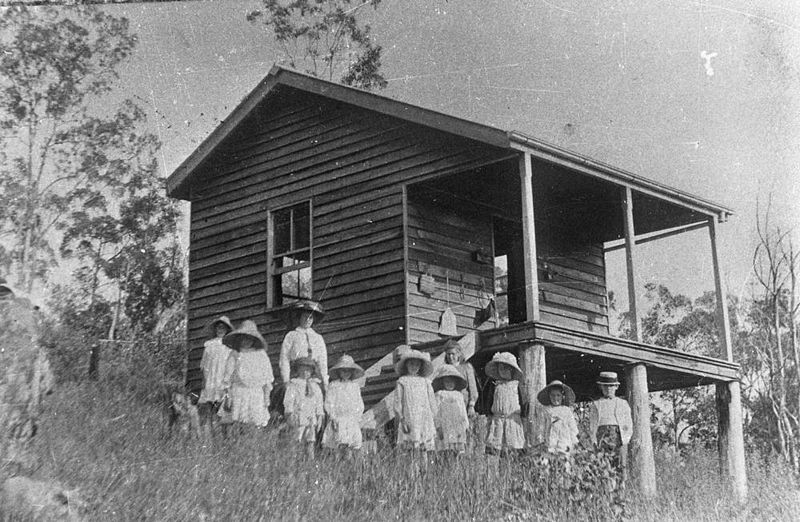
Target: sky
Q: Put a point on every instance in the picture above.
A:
(702, 96)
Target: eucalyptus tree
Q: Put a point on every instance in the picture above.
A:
(326, 38)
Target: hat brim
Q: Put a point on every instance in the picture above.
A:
(358, 372)
(438, 382)
(492, 366)
(233, 339)
(425, 371)
(606, 383)
(544, 394)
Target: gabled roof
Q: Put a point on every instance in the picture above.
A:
(179, 181)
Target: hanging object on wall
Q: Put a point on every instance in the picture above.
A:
(447, 322)
(484, 314)
(426, 282)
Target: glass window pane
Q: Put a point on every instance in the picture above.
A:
(304, 282)
(301, 231)
(289, 285)
(281, 231)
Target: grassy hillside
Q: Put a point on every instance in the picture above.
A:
(107, 441)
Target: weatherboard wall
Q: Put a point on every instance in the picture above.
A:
(352, 164)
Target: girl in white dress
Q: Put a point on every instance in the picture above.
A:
(248, 377)
(344, 407)
(415, 404)
(505, 426)
(302, 404)
(215, 356)
(451, 420)
(562, 429)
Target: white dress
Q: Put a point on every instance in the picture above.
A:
(215, 356)
(344, 407)
(415, 409)
(505, 426)
(248, 377)
(452, 420)
(303, 342)
(302, 406)
(562, 429)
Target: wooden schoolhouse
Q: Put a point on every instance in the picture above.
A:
(395, 216)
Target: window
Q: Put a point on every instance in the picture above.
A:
(290, 254)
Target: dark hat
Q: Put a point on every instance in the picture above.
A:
(608, 379)
(544, 394)
(448, 370)
(246, 329)
(307, 304)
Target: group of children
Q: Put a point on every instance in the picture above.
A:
(430, 413)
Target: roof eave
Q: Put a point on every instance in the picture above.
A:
(577, 162)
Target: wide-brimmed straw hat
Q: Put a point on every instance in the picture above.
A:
(346, 362)
(608, 379)
(544, 394)
(506, 358)
(247, 329)
(448, 370)
(307, 305)
(425, 370)
(305, 361)
(222, 319)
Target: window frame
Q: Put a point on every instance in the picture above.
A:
(272, 271)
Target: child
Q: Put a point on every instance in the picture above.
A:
(610, 423)
(562, 432)
(415, 404)
(303, 341)
(215, 356)
(248, 377)
(505, 427)
(344, 407)
(302, 403)
(451, 416)
(454, 354)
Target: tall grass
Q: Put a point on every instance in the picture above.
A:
(105, 440)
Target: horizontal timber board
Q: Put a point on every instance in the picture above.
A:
(225, 232)
(347, 222)
(394, 221)
(338, 280)
(394, 234)
(301, 171)
(257, 237)
(198, 275)
(323, 268)
(432, 258)
(257, 279)
(361, 286)
(226, 257)
(238, 175)
(549, 296)
(325, 214)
